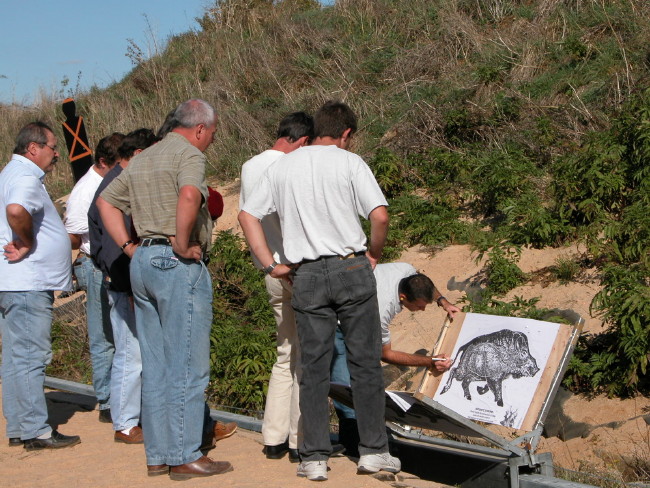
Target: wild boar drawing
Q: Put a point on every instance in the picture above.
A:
(492, 358)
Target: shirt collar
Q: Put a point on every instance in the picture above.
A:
(30, 165)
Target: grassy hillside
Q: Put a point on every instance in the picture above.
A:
(500, 123)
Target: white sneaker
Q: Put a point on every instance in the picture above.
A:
(313, 470)
(372, 463)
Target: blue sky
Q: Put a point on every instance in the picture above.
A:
(44, 41)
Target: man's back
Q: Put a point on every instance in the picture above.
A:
(153, 180)
(319, 192)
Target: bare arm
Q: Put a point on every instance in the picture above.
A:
(388, 355)
(187, 210)
(378, 232)
(254, 234)
(75, 240)
(114, 223)
(20, 221)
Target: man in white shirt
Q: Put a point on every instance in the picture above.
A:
(319, 192)
(36, 263)
(89, 277)
(282, 411)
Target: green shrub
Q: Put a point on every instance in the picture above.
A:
(243, 329)
(501, 270)
(616, 361)
(566, 269)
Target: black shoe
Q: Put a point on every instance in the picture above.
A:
(294, 456)
(337, 450)
(105, 416)
(276, 452)
(57, 441)
(15, 442)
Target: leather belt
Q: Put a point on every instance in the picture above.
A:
(335, 256)
(157, 241)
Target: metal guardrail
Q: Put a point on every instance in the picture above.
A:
(245, 422)
(255, 425)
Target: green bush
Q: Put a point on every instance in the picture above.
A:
(243, 329)
(566, 269)
(501, 270)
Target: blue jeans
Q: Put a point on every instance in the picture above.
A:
(339, 373)
(25, 322)
(100, 332)
(324, 291)
(126, 383)
(173, 311)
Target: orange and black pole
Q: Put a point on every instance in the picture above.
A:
(76, 140)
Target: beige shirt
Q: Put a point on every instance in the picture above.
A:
(148, 188)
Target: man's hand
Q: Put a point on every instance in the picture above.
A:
(451, 309)
(441, 366)
(16, 250)
(130, 250)
(192, 251)
(373, 260)
(282, 271)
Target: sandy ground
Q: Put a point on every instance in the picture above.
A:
(100, 462)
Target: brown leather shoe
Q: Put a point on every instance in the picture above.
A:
(221, 430)
(204, 466)
(133, 437)
(157, 469)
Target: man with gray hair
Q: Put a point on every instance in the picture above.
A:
(36, 262)
(165, 191)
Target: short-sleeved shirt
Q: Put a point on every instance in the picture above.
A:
(251, 173)
(48, 265)
(319, 192)
(76, 215)
(388, 277)
(148, 189)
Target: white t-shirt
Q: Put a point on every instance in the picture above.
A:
(251, 172)
(76, 215)
(319, 192)
(388, 277)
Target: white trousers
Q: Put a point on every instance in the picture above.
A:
(282, 411)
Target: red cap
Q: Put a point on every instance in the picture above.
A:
(215, 204)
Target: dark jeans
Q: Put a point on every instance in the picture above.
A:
(324, 291)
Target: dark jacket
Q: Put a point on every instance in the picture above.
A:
(106, 254)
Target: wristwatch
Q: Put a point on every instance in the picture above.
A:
(269, 269)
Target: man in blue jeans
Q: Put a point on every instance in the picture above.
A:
(165, 191)
(319, 192)
(36, 262)
(89, 277)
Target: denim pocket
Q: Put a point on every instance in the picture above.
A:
(358, 281)
(164, 262)
(303, 291)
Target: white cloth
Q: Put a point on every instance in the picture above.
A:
(251, 173)
(312, 182)
(48, 265)
(388, 277)
(76, 215)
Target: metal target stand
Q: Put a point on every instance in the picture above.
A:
(505, 463)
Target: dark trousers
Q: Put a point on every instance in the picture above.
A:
(324, 291)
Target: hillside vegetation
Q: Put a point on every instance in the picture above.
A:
(499, 123)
